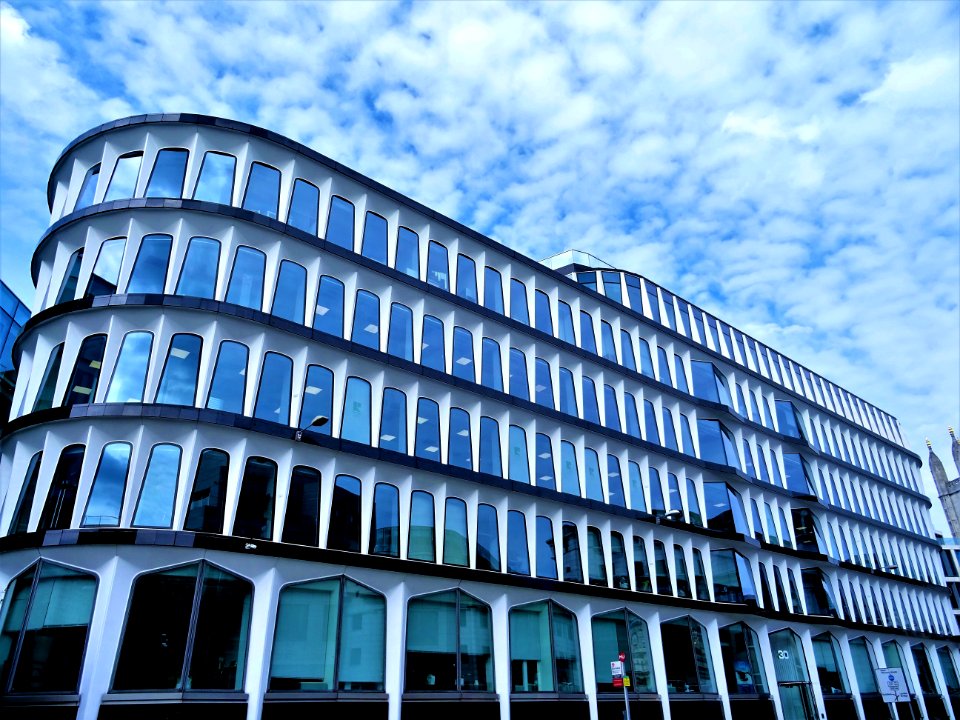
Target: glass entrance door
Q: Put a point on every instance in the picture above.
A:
(792, 679)
(795, 701)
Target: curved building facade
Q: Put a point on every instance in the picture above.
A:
(285, 443)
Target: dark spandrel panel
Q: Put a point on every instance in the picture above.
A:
(461, 709)
(166, 179)
(554, 709)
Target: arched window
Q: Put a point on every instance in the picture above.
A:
(28, 490)
(657, 505)
(215, 183)
(130, 372)
(48, 384)
(427, 441)
(545, 551)
(544, 462)
(700, 576)
(518, 302)
(543, 383)
(568, 396)
(611, 409)
(463, 365)
(62, 495)
(422, 540)
(44, 622)
(466, 278)
(596, 566)
(544, 649)
(725, 508)
(432, 352)
(438, 266)
(88, 188)
(344, 530)
(492, 290)
(449, 644)
(488, 538)
(646, 360)
(400, 334)
(455, 541)
(569, 473)
(340, 223)
(565, 322)
(123, 182)
(626, 349)
(664, 582)
(742, 660)
(355, 423)
(169, 169)
(304, 206)
(680, 572)
(519, 470)
(374, 242)
(543, 318)
(71, 277)
(491, 370)
(631, 413)
(328, 317)
(109, 485)
(229, 385)
(366, 320)
(273, 396)
(186, 629)
(669, 431)
(198, 276)
(258, 487)
(82, 387)
(106, 270)
(693, 504)
(490, 456)
(385, 521)
(301, 523)
(459, 447)
(290, 297)
(607, 343)
(615, 482)
(159, 490)
(208, 499)
(588, 340)
(591, 413)
(519, 385)
(732, 578)
(863, 665)
(687, 657)
(518, 557)
(622, 631)
(263, 190)
(178, 381)
(638, 500)
(407, 259)
(594, 485)
(393, 421)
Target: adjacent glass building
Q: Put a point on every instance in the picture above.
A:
(13, 314)
(285, 443)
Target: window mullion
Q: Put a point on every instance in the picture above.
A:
(15, 656)
(336, 648)
(192, 629)
(457, 648)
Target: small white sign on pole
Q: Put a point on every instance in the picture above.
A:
(892, 684)
(616, 668)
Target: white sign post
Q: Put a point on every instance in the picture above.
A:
(616, 669)
(893, 687)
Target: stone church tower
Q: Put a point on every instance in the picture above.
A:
(948, 490)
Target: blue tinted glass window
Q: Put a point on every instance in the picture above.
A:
(385, 523)
(273, 397)
(491, 372)
(150, 268)
(88, 188)
(545, 553)
(686, 435)
(106, 271)
(408, 252)
(519, 464)
(422, 542)
(633, 292)
(669, 431)
(606, 341)
(463, 365)
(565, 322)
(741, 401)
(459, 447)
(669, 319)
(123, 183)
(638, 500)
(466, 278)
(455, 533)
(198, 277)
(663, 367)
(590, 411)
(318, 399)
(228, 387)
(428, 430)
(572, 564)
(166, 180)
(130, 372)
(542, 315)
(615, 482)
(518, 558)
(518, 302)
(569, 473)
(366, 320)
(798, 474)
(438, 266)
(611, 286)
(633, 418)
(432, 352)
(258, 488)
(490, 462)
(21, 514)
(492, 290)
(717, 444)
(611, 409)
(340, 223)
(519, 386)
(329, 315)
(400, 337)
(683, 315)
(263, 190)
(356, 411)
(290, 299)
(48, 385)
(159, 490)
(544, 462)
(246, 278)
(568, 395)
(650, 423)
(653, 301)
(344, 530)
(82, 387)
(596, 568)
(304, 206)
(106, 494)
(680, 374)
(393, 421)
(626, 349)
(591, 467)
(215, 183)
(657, 505)
(543, 383)
(374, 243)
(588, 340)
(646, 361)
(178, 383)
(208, 497)
(488, 538)
(588, 279)
(673, 488)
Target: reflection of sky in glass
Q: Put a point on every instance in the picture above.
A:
(155, 507)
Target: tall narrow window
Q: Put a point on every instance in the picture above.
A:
(215, 183)
(48, 383)
(344, 529)
(21, 513)
(491, 371)
(407, 260)
(109, 484)
(159, 490)
(588, 340)
(82, 387)
(166, 180)
(422, 541)
(68, 290)
(680, 374)
(62, 495)
(646, 360)
(198, 276)
(519, 470)
(593, 484)
(638, 500)
(459, 449)
(693, 504)
(150, 267)
(544, 649)
(607, 343)
(488, 538)
(88, 188)
(830, 669)
(569, 474)
(355, 424)
(273, 397)
(45, 619)
(591, 412)
(572, 563)
(492, 290)
(490, 460)
(463, 365)
(681, 573)
(664, 583)
(687, 436)
(290, 298)
(123, 182)
(565, 322)
(301, 524)
(611, 409)
(518, 302)
(568, 395)
(626, 350)
(106, 270)
(632, 415)
(374, 243)
(544, 462)
(258, 488)
(393, 421)
(518, 558)
(519, 385)
(385, 522)
(208, 499)
(400, 335)
(130, 372)
(596, 565)
(427, 442)
(432, 352)
(228, 387)
(615, 482)
(328, 317)
(366, 320)
(438, 266)
(466, 278)
(186, 628)
(340, 223)
(246, 278)
(455, 533)
(304, 206)
(263, 190)
(546, 555)
(543, 383)
(543, 318)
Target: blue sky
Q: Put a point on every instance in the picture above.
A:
(792, 168)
